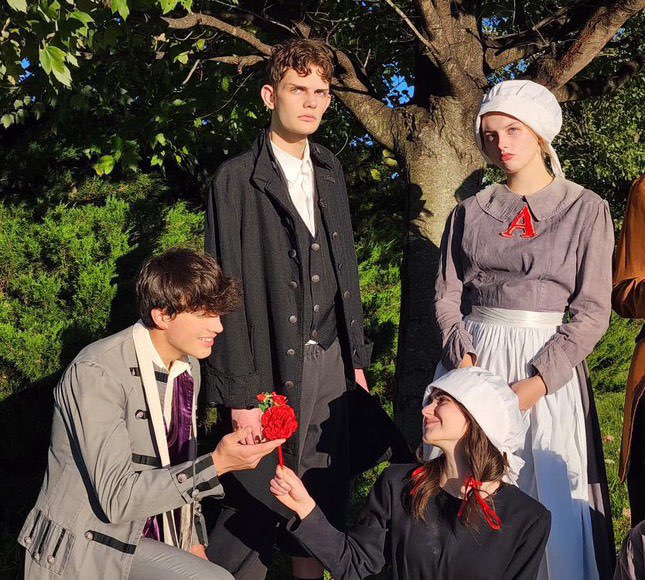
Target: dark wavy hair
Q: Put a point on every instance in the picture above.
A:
(301, 55)
(484, 460)
(181, 280)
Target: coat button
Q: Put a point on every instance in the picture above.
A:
(315, 278)
(194, 493)
(89, 535)
(315, 334)
(316, 307)
(352, 322)
(288, 384)
(51, 559)
(292, 253)
(291, 352)
(28, 540)
(293, 284)
(293, 319)
(346, 294)
(334, 235)
(140, 414)
(315, 247)
(182, 477)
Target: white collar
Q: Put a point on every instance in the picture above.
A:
(291, 165)
(178, 367)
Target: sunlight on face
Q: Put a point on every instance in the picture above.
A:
(509, 143)
(443, 421)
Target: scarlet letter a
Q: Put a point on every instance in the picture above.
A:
(522, 222)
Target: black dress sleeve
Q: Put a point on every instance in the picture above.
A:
(525, 562)
(362, 550)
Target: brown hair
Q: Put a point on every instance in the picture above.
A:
(301, 55)
(182, 280)
(485, 461)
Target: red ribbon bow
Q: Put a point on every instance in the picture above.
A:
(492, 519)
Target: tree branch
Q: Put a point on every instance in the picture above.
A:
(578, 90)
(412, 27)
(599, 28)
(197, 19)
(239, 61)
(377, 118)
(437, 19)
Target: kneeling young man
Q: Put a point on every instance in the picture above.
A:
(121, 495)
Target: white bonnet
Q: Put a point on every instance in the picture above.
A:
(493, 404)
(530, 103)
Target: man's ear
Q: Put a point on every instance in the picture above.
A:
(267, 92)
(160, 318)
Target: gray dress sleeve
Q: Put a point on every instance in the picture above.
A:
(589, 306)
(456, 341)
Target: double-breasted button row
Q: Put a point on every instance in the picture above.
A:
(292, 253)
(291, 352)
(293, 284)
(89, 535)
(182, 477)
(289, 384)
(316, 307)
(315, 247)
(293, 319)
(346, 294)
(315, 278)
(334, 235)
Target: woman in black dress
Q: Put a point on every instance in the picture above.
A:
(456, 516)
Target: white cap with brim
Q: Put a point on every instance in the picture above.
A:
(530, 103)
(495, 407)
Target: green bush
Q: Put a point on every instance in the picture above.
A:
(58, 282)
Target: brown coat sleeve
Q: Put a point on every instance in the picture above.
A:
(628, 294)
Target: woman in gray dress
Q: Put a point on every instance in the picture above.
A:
(524, 291)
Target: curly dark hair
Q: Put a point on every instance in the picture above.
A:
(301, 55)
(182, 280)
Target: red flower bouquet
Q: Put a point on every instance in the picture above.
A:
(278, 418)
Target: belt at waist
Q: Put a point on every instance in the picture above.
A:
(491, 315)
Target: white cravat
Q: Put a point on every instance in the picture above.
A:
(300, 182)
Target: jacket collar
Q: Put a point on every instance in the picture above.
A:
(501, 203)
(269, 177)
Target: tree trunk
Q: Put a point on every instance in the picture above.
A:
(443, 167)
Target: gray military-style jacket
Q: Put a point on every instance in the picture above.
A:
(104, 477)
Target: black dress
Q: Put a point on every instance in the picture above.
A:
(440, 548)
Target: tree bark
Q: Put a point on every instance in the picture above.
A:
(443, 166)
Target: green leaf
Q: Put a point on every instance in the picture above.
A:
(161, 139)
(6, 120)
(182, 58)
(226, 83)
(105, 165)
(52, 60)
(83, 17)
(121, 6)
(376, 174)
(187, 4)
(19, 5)
(168, 5)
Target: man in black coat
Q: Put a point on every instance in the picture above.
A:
(278, 220)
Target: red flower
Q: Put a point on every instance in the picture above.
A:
(261, 397)
(279, 422)
(279, 400)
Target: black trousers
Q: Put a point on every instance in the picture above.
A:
(636, 473)
(246, 530)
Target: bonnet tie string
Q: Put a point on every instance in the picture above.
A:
(492, 519)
